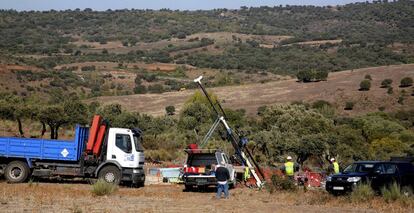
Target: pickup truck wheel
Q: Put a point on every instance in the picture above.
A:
(188, 188)
(110, 174)
(16, 172)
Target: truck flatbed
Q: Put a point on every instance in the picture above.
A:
(44, 149)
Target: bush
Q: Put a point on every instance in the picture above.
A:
(365, 85)
(368, 77)
(311, 75)
(170, 110)
(140, 89)
(363, 192)
(391, 192)
(320, 104)
(406, 82)
(282, 183)
(101, 187)
(386, 83)
(401, 100)
(349, 105)
(390, 90)
(156, 88)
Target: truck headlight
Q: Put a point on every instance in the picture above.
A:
(353, 179)
(329, 179)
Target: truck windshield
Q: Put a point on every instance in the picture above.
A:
(138, 145)
(359, 168)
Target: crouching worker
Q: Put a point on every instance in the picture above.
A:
(222, 176)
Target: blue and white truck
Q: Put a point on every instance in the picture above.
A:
(112, 154)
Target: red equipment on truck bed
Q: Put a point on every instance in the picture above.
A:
(99, 140)
(93, 131)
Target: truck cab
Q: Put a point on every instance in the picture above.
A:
(199, 169)
(123, 150)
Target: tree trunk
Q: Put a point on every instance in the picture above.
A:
(43, 130)
(52, 133)
(57, 132)
(19, 122)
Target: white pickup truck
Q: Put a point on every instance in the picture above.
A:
(199, 172)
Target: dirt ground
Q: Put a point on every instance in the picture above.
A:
(77, 197)
(341, 87)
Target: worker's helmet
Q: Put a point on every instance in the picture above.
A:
(332, 159)
(289, 158)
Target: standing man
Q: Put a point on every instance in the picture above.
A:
(222, 176)
(290, 168)
(334, 167)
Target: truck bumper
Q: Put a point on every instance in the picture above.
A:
(200, 181)
(133, 175)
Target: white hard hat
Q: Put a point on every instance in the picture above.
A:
(332, 159)
(289, 158)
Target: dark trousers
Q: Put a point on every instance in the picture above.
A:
(222, 188)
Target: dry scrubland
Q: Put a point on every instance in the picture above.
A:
(68, 197)
(340, 88)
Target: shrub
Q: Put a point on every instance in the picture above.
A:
(311, 75)
(282, 183)
(320, 104)
(368, 77)
(150, 77)
(406, 82)
(386, 83)
(156, 88)
(349, 105)
(391, 192)
(363, 192)
(390, 90)
(365, 85)
(381, 108)
(401, 100)
(170, 110)
(140, 89)
(101, 187)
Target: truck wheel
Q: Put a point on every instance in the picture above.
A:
(188, 188)
(110, 174)
(16, 172)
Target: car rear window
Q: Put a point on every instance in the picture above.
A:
(202, 160)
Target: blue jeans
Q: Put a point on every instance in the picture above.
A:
(222, 188)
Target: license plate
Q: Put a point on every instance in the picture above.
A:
(338, 188)
(201, 180)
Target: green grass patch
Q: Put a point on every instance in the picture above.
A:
(362, 192)
(102, 187)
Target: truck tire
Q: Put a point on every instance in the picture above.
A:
(16, 172)
(110, 174)
(188, 188)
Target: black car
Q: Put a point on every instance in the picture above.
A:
(378, 173)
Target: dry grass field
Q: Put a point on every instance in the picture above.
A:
(340, 88)
(77, 197)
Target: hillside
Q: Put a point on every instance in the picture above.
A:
(122, 52)
(340, 87)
